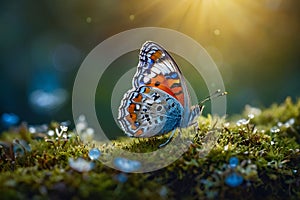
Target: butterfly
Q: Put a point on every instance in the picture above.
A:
(159, 101)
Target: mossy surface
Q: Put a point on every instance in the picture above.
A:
(267, 146)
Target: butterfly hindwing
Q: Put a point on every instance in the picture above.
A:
(149, 111)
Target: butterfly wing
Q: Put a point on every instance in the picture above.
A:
(159, 101)
(149, 111)
(158, 69)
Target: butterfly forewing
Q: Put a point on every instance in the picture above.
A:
(157, 68)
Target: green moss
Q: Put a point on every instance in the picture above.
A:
(269, 162)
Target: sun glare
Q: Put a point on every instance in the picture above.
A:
(255, 24)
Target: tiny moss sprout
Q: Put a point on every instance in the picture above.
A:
(62, 137)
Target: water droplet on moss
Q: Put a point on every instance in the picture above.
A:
(242, 122)
(163, 191)
(81, 165)
(127, 165)
(226, 148)
(94, 153)
(234, 180)
(251, 116)
(289, 123)
(50, 133)
(122, 178)
(233, 162)
(226, 124)
(279, 124)
(274, 129)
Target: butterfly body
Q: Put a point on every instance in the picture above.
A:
(159, 101)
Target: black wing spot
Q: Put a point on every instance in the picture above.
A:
(155, 96)
(159, 108)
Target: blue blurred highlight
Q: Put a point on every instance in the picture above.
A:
(233, 162)
(234, 180)
(9, 119)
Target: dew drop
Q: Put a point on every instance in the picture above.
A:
(233, 162)
(274, 129)
(226, 124)
(163, 191)
(251, 116)
(279, 124)
(32, 129)
(242, 122)
(226, 148)
(50, 133)
(81, 165)
(94, 153)
(289, 123)
(122, 178)
(127, 165)
(234, 180)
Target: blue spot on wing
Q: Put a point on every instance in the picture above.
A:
(172, 75)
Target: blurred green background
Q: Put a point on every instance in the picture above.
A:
(255, 44)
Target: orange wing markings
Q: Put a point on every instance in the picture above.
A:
(180, 98)
(138, 133)
(167, 85)
(131, 119)
(138, 98)
(131, 108)
(156, 55)
(176, 90)
(147, 90)
(171, 82)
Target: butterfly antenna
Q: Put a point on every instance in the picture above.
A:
(216, 94)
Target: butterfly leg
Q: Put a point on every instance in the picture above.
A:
(168, 141)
